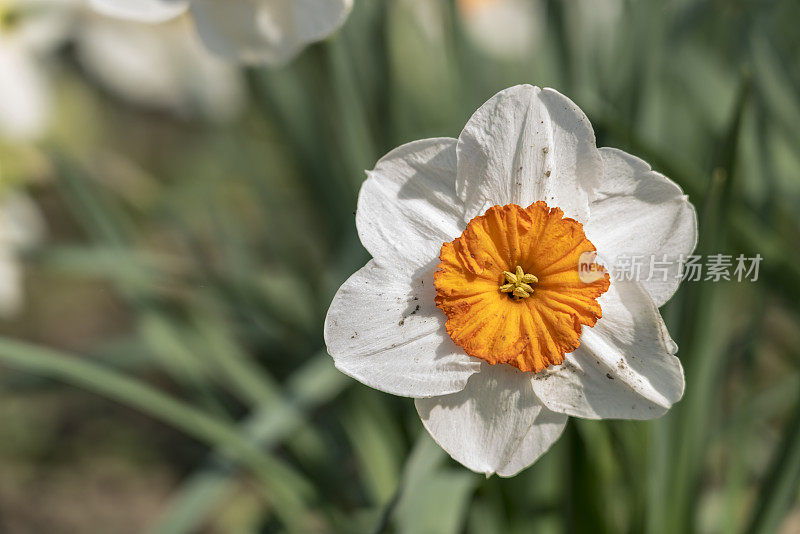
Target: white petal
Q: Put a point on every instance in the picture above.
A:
(527, 144)
(317, 19)
(45, 25)
(24, 93)
(22, 225)
(266, 31)
(384, 329)
(625, 367)
(161, 66)
(141, 10)
(407, 207)
(242, 30)
(504, 28)
(11, 290)
(495, 425)
(641, 213)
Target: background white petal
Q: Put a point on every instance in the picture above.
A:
(11, 286)
(625, 367)
(507, 29)
(38, 28)
(407, 207)
(21, 227)
(384, 329)
(141, 10)
(21, 223)
(24, 93)
(316, 19)
(266, 31)
(44, 25)
(495, 425)
(161, 66)
(527, 144)
(639, 212)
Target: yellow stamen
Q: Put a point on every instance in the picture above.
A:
(519, 283)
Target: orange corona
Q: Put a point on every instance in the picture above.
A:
(511, 288)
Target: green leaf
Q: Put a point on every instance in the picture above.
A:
(780, 487)
(434, 498)
(288, 488)
(314, 384)
(376, 440)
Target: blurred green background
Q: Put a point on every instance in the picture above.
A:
(167, 372)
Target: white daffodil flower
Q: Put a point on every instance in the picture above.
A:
(160, 66)
(506, 29)
(252, 31)
(21, 227)
(29, 31)
(483, 300)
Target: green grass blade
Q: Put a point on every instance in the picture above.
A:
(780, 487)
(282, 483)
(433, 498)
(313, 385)
(703, 355)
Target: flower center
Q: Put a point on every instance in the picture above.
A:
(511, 288)
(518, 284)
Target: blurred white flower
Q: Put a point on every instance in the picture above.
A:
(161, 66)
(21, 227)
(29, 31)
(503, 28)
(481, 310)
(269, 32)
(24, 93)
